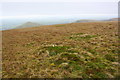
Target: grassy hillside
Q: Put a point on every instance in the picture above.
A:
(76, 50)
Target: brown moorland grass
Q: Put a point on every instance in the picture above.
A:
(75, 50)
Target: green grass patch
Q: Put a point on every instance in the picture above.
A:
(54, 50)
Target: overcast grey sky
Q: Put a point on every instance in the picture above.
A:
(60, 7)
(59, 0)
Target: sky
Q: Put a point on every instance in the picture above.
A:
(46, 8)
(59, 0)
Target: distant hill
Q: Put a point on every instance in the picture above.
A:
(86, 20)
(28, 24)
(113, 19)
